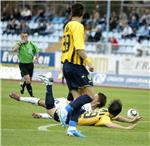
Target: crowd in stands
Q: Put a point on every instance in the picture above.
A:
(42, 21)
(129, 26)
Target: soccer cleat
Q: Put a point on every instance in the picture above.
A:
(21, 89)
(46, 80)
(36, 115)
(63, 116)
(75, 133)
(13, 95)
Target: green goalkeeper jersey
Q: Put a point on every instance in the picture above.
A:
(27, 51)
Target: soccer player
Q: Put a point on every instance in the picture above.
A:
(99, 98)
(101, 117)
(74, 60)
(28, 54)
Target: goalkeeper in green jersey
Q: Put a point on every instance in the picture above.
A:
(28, 53)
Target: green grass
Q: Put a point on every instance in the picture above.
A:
(20, 129)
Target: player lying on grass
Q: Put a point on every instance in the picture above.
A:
(99, 117)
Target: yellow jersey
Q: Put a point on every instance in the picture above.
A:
(95, 118)
(73, 40)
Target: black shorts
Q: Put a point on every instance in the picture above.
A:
(76, 76)
(26, 69)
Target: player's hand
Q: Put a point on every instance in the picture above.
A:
(35, 60)
(136, 119)
(91, 67)
(131, 126)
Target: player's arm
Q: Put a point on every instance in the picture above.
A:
(36, 52)
(82, 54)
(128, 120)
(117, 126)
(16, 46)
(78, 36)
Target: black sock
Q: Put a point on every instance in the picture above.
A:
(49, 99)
(23, 85)
(29, 88)
(80, 101)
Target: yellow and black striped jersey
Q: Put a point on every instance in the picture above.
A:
(95, 118)
(73, 40)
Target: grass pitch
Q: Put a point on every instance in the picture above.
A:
(18, 128)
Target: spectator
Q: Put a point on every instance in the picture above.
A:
(95, 19)
(42, 26)
(16, 13)
(144, 31)
(134, 23)
(95, 36)
(26, 13)
(114, 43)
(5, 15)
(134, 13)
(127, 30)
(113, 21)
(11, 27)
(146, 17)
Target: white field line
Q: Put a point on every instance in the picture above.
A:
(45, 128)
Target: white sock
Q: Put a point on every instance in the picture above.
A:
(31, 100)
(45, 116)
(72, 128)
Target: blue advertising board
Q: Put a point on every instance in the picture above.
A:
(9, 57)
(121, 80)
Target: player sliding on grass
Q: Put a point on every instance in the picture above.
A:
(101, 117)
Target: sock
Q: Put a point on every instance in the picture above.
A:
(80, 101)
(24, 84)
(72, 123)
(45, 116)
(68, 108)
(30, 100)
(49, 99)
(29, 88)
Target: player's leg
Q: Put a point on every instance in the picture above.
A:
(22, 86)
(28, 78)
(23, 83)
(73, 120)
(49, 99)
(31, 100)
(76, 77)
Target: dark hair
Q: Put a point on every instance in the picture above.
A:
(115, 107)
(102, 99)
(77, 10)
(24, 31)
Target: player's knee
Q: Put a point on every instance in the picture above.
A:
(27, 80)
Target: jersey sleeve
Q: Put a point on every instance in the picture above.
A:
(36, 49)
(78, 36)
(103, 120)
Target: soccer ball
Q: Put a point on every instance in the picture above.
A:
(132, 113)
